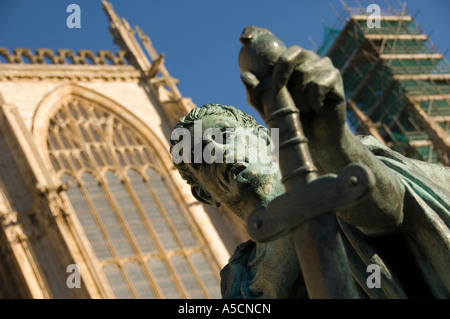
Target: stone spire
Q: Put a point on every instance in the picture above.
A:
(124, 37)
(156, 76)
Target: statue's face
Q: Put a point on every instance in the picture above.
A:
(247, 175)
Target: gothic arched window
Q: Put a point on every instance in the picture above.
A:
(144, 239)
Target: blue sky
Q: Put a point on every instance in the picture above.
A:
(198, 37)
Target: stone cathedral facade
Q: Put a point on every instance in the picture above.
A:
(87, 185)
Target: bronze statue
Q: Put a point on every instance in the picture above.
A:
(398, 222)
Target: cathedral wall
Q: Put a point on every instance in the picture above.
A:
(26, 96)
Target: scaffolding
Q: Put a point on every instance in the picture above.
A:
(397, 83)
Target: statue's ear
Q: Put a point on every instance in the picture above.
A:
(203, 196)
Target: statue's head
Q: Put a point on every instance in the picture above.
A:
(226, 157)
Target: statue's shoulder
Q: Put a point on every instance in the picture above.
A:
(429, 181)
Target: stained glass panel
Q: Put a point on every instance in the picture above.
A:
(87, 219)
(172, 209)
(152, 211)
(130, 213)
(205, 272)
(107, 216)
(140, 283)
(186, 276)
(163, 279)
(117, 282)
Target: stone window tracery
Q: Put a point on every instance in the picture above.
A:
(145, 242)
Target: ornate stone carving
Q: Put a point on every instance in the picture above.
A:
(63, 56)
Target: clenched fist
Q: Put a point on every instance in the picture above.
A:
(314, 84)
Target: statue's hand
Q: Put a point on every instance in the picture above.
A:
(279, 77)
(317, 89)
(315, 83)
